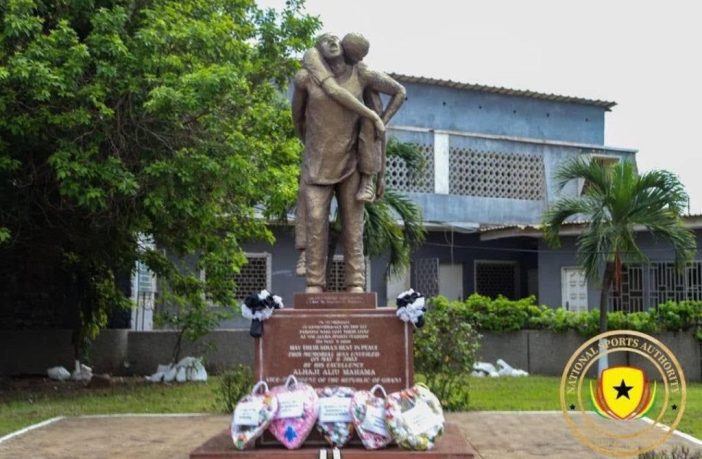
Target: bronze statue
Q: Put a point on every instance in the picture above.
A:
(344, 150)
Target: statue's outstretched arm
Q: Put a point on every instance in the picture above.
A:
(382, 82)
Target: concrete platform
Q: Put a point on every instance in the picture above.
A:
(451, 445)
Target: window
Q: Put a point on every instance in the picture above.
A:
(254, 276)
(574, 289)
(494, 278)
(630, 297)
(425, 276)
(496, 174)
(401, 178)
(648, 285)
(668, 284)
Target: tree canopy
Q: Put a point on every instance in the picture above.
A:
(617, 202)
(122, 118)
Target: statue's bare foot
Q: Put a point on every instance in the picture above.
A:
(354, 289)
(366, 191)
(313, 289)
(301, 267)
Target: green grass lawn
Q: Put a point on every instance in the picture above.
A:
(26, 406)
(21, 408)
(541, 393)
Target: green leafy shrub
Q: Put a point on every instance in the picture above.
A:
(674, 316)
(504, 315)
(444, 352)
(234, 384)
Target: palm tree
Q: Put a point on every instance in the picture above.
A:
(382, 233)
(616, 202)
(393, 224)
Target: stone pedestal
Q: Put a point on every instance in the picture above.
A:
(336, 339)
(451, 445)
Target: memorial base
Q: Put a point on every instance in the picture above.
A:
(451, 445)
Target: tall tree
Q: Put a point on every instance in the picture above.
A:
(617, 202)
(125, 117)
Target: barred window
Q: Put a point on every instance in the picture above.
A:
(630, 298)
(668, 284)
(493, 278)
(648, 285)
(425, 276)
(254, 276)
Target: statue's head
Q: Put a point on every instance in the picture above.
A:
(355, 47)
(329, 46)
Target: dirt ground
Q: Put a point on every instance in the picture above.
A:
(493, 434)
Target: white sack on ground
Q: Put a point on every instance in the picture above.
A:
(82, 372)
(505, 370)
(188, 369)
(58, 373)
(482, 369)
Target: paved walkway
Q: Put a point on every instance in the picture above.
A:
(494, 435)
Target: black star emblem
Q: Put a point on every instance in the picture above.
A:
(675, 407)
(572, 407)
(622, 390)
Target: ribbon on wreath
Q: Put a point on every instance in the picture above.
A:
(259, 307)
(410, 307)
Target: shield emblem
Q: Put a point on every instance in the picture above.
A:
(623, 393)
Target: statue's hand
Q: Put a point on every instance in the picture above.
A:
(379, 188)
(379, 127)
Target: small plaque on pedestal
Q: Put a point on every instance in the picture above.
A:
(336, 300)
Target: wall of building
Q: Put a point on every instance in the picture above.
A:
(552, 260)
(445, 108)
(460, 248)
(467, 249)
(448, 200)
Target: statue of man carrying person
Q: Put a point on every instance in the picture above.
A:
(338, 114)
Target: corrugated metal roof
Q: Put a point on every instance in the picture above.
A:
(501, 90)
(691, 220)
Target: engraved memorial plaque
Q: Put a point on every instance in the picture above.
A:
(356, 348)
